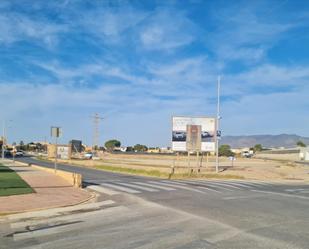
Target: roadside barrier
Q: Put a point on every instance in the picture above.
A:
(73, 178)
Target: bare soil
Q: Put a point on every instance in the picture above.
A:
(246, 168)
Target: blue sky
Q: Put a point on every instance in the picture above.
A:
(137, 63)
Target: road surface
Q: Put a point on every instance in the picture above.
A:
(143, 212)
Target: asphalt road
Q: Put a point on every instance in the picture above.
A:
(145, 212)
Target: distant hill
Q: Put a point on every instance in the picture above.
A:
(267, 141)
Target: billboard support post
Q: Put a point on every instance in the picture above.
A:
(55, 132)
(217, 127)
(56, 154)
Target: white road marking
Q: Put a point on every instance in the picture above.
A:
(242, 197)
(155, 186)
(175, 182)
(295, 190)
(103, 190)
(282, 194)
(256, 182)
(214, 185)
(224, 185)
(124, 189)
(304, 191)
(210, 189)
(240, 184)
(179, 187)
(138, 187)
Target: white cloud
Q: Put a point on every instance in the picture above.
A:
(15, 27)
(110, 24)
(244, 34)
(166, 30)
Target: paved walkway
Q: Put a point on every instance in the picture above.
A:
(51, 191)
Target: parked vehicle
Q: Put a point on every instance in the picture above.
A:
(19, 153)
(246, 154)
(88, 155)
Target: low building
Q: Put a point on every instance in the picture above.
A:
(167, 150)
(304, 154)
(63, 151)
(153, 150)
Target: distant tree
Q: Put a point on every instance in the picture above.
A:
(111, 144)
(258, 147)
(225, 150)
(140, 147)
(301, 144)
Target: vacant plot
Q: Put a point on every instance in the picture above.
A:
(197, 167)
(11, 183)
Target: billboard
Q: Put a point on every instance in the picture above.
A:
(193, 133)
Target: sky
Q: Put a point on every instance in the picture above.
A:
(138, 63)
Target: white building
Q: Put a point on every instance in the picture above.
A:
(304, 154)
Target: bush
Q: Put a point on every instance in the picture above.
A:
(225, 150)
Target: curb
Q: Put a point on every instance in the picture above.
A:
(93, 195)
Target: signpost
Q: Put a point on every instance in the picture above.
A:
(56, 132)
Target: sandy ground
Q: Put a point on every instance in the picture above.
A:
(252, 168)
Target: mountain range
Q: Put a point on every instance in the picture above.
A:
(267, 141)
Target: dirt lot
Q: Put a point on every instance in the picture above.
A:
(161, 165)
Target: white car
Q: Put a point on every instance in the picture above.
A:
(179, 135)
(88, 155)
(19, 153)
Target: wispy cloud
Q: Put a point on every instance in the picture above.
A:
(144, 63)
(18, 27)
(245, 32)
(166, 30)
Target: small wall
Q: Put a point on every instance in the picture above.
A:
(73, 178)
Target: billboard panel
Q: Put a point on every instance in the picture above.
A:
(185, 130)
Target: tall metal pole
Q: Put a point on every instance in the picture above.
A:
(56, 154)
(3, 139)
(218, 125)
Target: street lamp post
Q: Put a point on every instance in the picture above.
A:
(217, 123)
(3, 139)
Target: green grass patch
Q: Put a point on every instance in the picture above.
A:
(11, 183)
(155, 173)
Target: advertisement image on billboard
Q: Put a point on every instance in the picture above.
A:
(193, 133)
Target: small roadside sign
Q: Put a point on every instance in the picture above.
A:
(55, 131)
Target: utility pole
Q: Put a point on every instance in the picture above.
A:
(3, 139)
(217, 124)
(96, 131)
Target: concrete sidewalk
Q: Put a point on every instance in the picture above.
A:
(50, 191)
